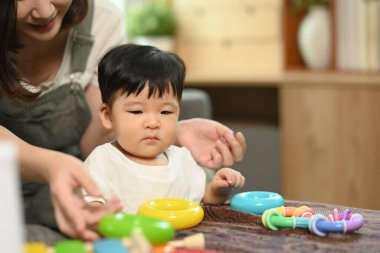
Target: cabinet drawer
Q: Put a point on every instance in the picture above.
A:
(238, 18)
(231, 58)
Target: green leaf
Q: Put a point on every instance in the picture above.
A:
(150, 19)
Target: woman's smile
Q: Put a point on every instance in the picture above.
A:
(45, 26)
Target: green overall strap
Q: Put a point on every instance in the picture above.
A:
(82, 41)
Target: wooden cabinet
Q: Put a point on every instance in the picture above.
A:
(330, 124)
(224, 38)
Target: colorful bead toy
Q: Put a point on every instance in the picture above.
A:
(320, 225)
(287, 217)
(342, 223)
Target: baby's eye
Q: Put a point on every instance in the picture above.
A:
(166, 112)
(135, 112)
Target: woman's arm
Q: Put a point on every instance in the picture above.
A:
(66, 175)
(34, 161)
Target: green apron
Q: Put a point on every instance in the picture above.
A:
(56, 120)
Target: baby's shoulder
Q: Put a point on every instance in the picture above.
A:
(178, 151)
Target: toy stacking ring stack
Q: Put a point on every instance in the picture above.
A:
(256, 201)
(180, 213)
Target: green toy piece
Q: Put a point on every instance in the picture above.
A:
(124, 225)
(72, 246)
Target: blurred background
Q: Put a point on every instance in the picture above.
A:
(300, 78)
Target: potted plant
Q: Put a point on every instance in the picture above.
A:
(302, 5)
(152, 23)
(314, 33)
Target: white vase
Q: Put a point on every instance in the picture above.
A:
(166, 43)
(314, 38)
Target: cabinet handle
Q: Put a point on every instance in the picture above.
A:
(249, 9)
(199, 12)
(226, 42)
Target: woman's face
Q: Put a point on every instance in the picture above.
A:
(40, 20)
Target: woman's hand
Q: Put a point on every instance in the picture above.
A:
(73, 216)
(66, 176)
(212, 144)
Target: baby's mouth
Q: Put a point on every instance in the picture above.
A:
(151, 138)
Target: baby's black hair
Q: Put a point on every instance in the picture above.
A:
(131, 67)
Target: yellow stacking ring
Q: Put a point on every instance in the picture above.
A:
(180, 213)
(36, 247)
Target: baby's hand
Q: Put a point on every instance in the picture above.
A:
(227, 178)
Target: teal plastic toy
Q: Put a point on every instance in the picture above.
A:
(256, 201)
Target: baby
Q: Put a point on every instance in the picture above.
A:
(141, 88)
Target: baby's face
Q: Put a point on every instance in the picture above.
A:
(145, 127)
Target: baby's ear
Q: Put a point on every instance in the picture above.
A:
(105, 116)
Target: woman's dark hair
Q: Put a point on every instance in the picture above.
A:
(131, 67)
(10, 79)
(75, 14)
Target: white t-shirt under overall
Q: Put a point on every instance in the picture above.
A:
(133, 183)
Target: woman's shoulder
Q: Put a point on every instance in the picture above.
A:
(105, 8)
(108, 25)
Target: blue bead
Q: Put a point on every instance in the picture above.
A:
(109, 246)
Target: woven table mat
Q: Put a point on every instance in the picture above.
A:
(231, 231)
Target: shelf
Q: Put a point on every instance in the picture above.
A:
(330, 78)
(291, 77)
(229, 80)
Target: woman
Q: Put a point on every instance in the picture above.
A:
(49, 98)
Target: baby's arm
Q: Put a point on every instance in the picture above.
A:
(218, 190)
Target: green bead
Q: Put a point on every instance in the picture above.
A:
(70, 246)
(123, 225)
